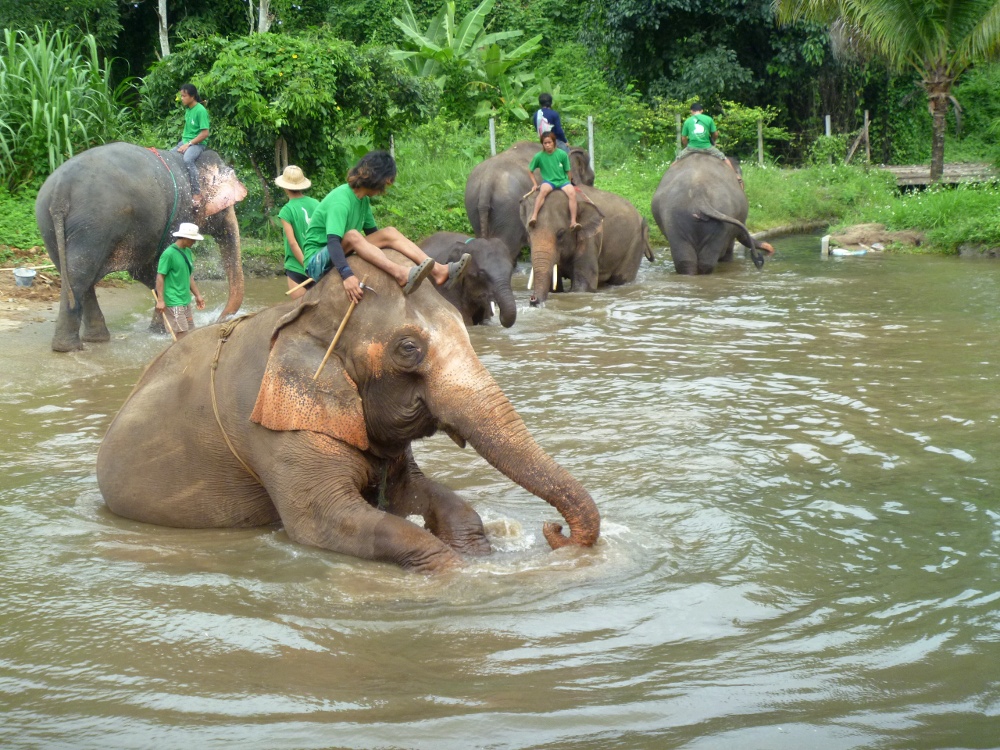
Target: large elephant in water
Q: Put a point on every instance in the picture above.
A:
(485, 283)
(607, 248)
(701, 208)
(495, 186)
(239, 424)
(114, 208)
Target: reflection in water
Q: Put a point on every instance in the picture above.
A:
(797, 473)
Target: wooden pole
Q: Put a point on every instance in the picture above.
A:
(590, 140)
(677, 122)
(868, 143)
(299, 286)
(336, 336)
(493, 137)
(760, 142)
(164, 316)
(828, 132)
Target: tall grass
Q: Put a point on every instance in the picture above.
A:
(56, 99)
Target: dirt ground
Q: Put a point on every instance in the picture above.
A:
(37, 303)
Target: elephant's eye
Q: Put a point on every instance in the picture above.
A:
(409, 353)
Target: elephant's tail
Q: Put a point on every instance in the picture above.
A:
(709, 214)
(59, 227)
(647, 249)
(484, 213)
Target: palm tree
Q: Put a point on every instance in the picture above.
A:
(939, 39)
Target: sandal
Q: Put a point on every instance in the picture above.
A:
(531, 223)
(418, 274)
(456, 270)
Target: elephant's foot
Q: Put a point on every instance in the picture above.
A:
(66, 343)
(97, 335)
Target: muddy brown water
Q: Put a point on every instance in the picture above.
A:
(798, 474)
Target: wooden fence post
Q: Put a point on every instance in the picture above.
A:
(868, 142)
(590, 139)
(760, 142)
(493, 137)
(828, 133)
(677, 121)
(392, 146)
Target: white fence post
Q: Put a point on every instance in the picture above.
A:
(677, 121)
(392, 146)
(590, 139)
(828, 133)
(760, 142)
(493, 137)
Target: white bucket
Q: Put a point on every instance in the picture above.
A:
(24, 276)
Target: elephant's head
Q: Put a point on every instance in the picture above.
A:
(220, 187)
(554, 242)
(488, 277)
(579, 162)
(403, 369)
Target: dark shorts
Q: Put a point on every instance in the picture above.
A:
(295, 276)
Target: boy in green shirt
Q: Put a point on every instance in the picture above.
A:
(698, 135)
(554, 165)
(192, 143)
(174, 283)
(295, 216)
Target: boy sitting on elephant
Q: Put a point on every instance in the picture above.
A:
(554, 165)
(343, 223)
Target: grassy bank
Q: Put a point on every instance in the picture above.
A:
(428, 197)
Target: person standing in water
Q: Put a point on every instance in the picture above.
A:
(295, 217)
(196, 131)
(175, 282)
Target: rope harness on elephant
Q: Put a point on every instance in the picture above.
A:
(173, 211)
(225, 330)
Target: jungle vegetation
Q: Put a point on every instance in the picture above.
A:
(319, 83)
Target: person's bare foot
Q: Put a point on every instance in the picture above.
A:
(532, 221)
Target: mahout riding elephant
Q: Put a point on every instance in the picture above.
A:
(607, 248)
(113, 208)
(486, 281)
(232, 427)
(495, 186)
(701, 208)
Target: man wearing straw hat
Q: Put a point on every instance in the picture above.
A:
(175, 283)
(295, 216)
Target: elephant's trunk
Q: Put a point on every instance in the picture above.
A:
(543, 258)
(505, 300)
(468, 402)
(227, 235)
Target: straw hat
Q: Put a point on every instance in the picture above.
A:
(293, 179)
(188, 231)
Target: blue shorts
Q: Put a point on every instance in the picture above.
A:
(554, 186)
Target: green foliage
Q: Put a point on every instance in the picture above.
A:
(17, 219)
(738, 128)
(100, 18)
(828, 149)
(56, 99)
(466, 63)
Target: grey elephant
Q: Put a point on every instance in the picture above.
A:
(113, 208)
(495, 186)
(485, 282)
(607, 248)
(701, 208)
(240, 424)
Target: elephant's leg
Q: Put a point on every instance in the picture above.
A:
(446, 514)
(320, 503)
(94, 327)
(67, 335)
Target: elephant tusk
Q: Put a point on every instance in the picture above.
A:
(555, 276)
(493, 308)
(531, 277)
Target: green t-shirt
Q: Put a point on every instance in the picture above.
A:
(554, 167)
(195, 120)
(698, 129)
(176, 265)
(297, 212)
(339, 212)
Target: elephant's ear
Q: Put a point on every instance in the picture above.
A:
(289, 398)
(527, 205)
(220, 187)
(591, 222)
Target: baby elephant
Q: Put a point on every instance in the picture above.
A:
(486, 280)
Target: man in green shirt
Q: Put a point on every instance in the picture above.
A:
(554, 165)
(295, 217)
(698, 135)
(196, 132)
(174, 282)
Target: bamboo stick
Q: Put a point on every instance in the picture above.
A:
(164, 316)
